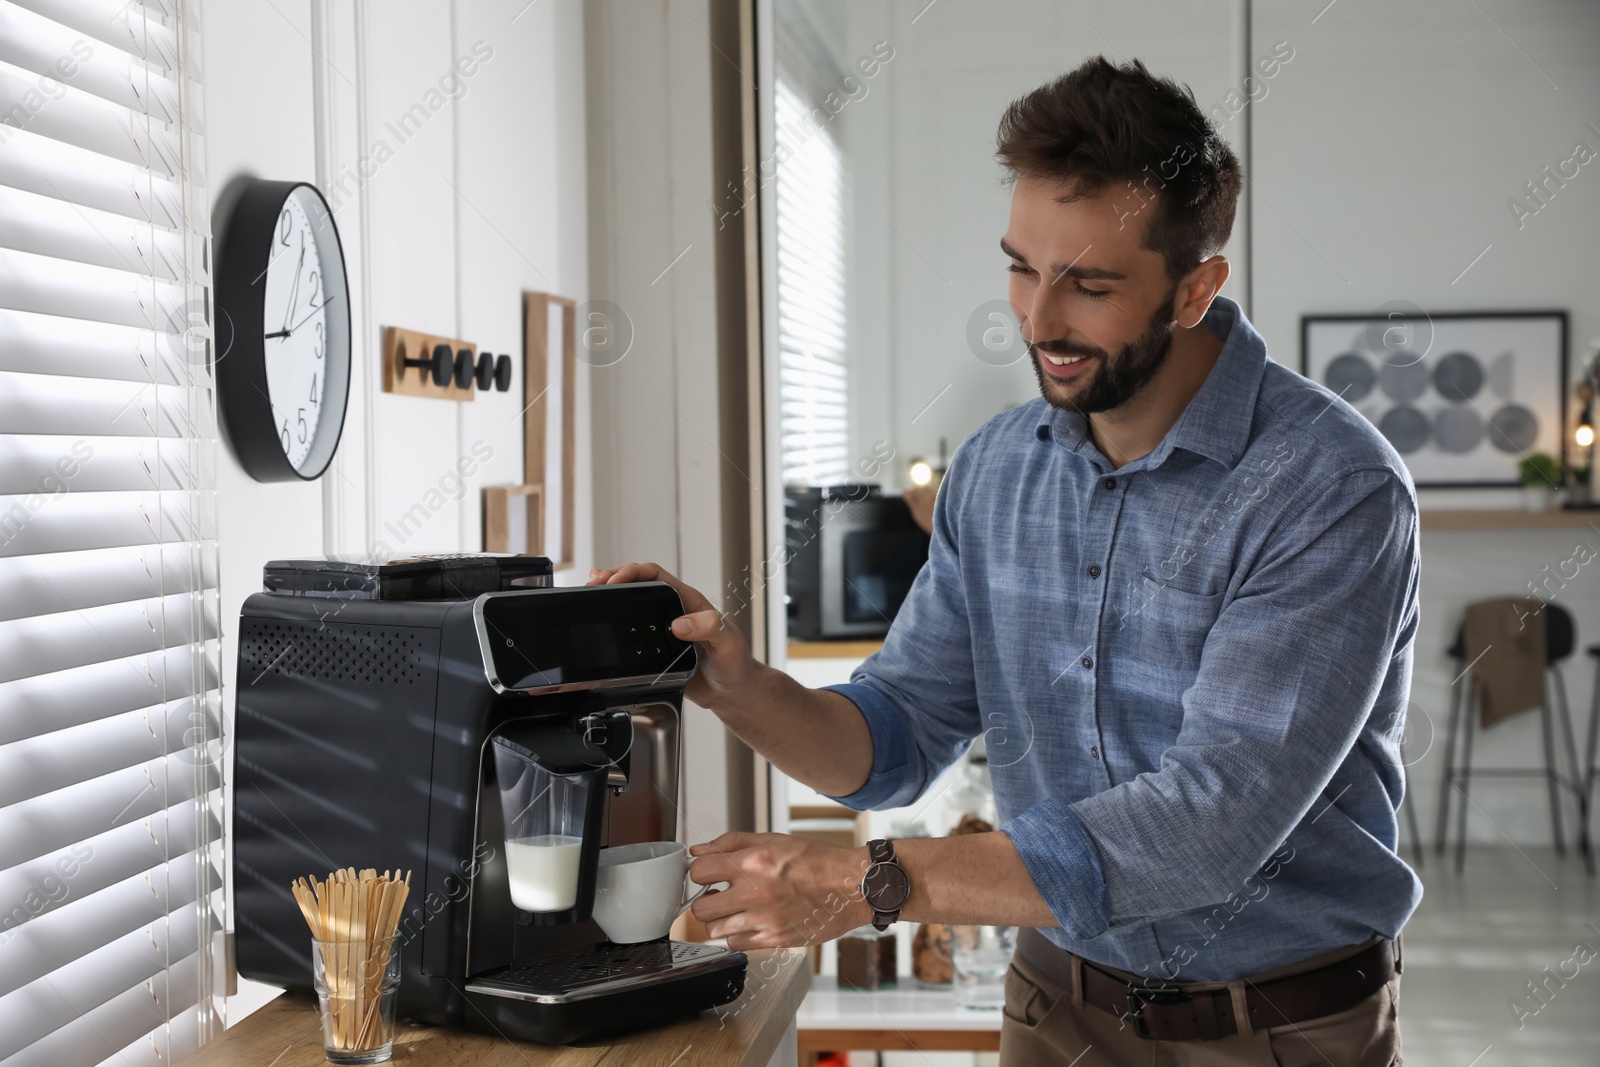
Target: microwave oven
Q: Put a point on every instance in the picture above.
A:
(852, 555)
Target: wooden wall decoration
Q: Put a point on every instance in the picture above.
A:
(536, 382)
(513, 519)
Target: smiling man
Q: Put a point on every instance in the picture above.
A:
(1176, 595)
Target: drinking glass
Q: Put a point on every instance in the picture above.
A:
(357, 982)
(980, 956)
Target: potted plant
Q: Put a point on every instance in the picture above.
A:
(1541, 475)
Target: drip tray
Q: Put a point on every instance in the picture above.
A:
(605, 970)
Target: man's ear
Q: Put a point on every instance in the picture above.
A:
(1197, 289)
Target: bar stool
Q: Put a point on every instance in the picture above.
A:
(1560, 638)
(1586, 810)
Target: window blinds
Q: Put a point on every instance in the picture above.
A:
(813, 382)
(110, 703)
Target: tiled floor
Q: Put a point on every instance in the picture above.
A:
(1475, 943)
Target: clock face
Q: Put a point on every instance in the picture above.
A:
(283, 373)
(300, 285)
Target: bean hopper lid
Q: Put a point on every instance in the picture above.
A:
(444, 576)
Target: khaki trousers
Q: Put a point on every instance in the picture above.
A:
(1045, 1023)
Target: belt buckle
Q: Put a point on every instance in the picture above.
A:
(1139, 996)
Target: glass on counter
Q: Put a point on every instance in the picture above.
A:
(980, 956)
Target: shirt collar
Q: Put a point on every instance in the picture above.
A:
(1216, 424)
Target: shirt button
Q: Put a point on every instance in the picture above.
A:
(1088, 663)
(1095, 752)
(1110, 483)
(1094, 570)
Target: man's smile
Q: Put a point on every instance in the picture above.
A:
(1064, 366)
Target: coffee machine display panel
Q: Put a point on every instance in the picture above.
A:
(555, 640)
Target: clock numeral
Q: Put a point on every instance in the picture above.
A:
(314, 399)
(316, 300)
(285, 437)
(285, 227)
(301, 418)
(316, 348)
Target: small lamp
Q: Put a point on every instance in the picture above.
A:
(926, 472)
(1583, 435)
(920, 494)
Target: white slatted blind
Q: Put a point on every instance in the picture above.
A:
(110, 724)
(813, 382)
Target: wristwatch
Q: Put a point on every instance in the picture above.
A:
(886, 888)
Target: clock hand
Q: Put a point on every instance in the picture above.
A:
(294, 294)
(290, 330)
(313, 311)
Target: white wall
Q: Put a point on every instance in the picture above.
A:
(1385, 155)
(307, 90)
(658, 443)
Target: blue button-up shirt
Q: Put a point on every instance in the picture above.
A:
(1190, 672)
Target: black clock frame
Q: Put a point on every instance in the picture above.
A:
(240, 366)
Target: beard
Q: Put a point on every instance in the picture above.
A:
(1117, 378)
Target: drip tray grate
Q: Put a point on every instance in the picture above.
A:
(573, 971)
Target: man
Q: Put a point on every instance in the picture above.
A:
(1176, 596)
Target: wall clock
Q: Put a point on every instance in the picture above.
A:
(283, 371)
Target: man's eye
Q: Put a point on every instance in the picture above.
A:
(1094, 293)
(1017, 268)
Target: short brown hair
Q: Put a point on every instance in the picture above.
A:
(1104, 124)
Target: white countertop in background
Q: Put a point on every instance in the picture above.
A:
(827, 1007)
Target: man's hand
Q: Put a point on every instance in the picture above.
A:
(814, 736)
(726, 665)
(782, 891)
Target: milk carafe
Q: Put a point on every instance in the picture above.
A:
(546, 813)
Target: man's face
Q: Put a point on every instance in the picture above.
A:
(1095, 305)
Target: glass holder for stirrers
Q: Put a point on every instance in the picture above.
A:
(355, 959)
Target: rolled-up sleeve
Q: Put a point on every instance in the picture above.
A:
(1288, 676)
(918, 694)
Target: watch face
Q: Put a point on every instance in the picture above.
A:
(886, 887)
(306, 328)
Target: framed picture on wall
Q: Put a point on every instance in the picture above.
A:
(550, 417)
(1463, 397)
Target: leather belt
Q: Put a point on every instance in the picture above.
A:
(1186, 1012)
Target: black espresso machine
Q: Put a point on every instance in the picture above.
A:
(370, 698)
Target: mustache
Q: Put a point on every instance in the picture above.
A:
(1061, 347)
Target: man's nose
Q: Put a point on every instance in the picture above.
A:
(1047, 319)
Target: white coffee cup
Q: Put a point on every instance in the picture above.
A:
(640, 889)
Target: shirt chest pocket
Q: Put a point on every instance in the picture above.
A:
(1163, 626)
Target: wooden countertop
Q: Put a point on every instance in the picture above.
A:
(1507, 519)
(287, 1033)
(833, 649)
